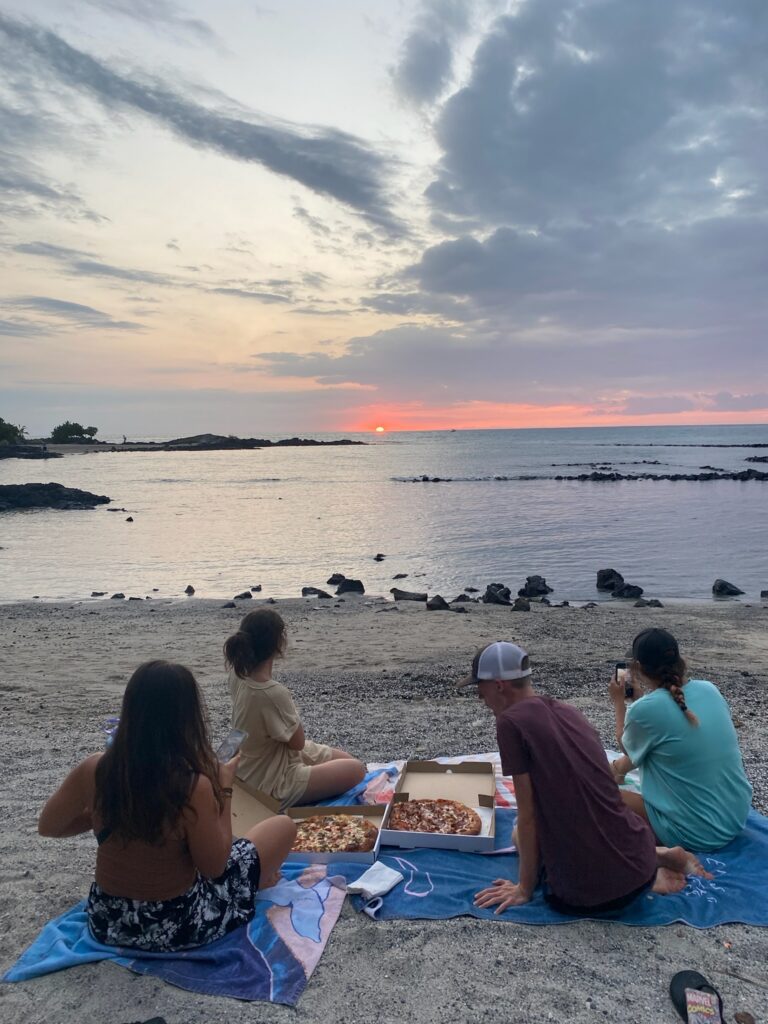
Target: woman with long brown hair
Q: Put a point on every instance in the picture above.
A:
(679, 733)
(169, 875)
(276, 756)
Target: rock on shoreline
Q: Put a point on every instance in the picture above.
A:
(52, 495)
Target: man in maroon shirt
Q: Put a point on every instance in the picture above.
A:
(596, 854)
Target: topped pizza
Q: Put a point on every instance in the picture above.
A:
(335, 833)
(439, 815)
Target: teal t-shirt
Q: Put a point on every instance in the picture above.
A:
(691, 778)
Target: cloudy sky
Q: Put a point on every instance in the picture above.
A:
(338, 214)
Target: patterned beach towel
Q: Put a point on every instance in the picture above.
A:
(271, 958)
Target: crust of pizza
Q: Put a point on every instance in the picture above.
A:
(445, 816)
(335, 833)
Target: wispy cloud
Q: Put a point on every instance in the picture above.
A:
(73, 312)
(158, 14)
(327, 161)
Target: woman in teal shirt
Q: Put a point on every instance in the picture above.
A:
(693, 789)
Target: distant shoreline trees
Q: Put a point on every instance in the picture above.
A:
(72, 433)
(10, 433)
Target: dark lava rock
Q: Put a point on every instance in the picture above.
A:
(589, 604)
(472, 590)
(543, 600)
(256, 589)
(522, 604)
(336, 579)
(313, 592)
(535, 586)
(608, 579)
(400, 576)
(641, 603)
(14, 496)
(98, 593)
(117, 597)
(564, 604)
(496, 593)
(129, 519)
(438, 604)
(229, 604)
(722, 588)
(379, 557)
(189, 591)
(245, 596)
(764, 594)
(461, 597)
(407, 595)
(271, 600)
(627, 590)
(117, 510)
(135, 598)
(350, 587)
(655, 603)
(461, 610)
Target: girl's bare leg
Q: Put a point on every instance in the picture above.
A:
(332, 778)
(273, 839)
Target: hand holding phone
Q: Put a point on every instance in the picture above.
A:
(230, 745)
(624, 676)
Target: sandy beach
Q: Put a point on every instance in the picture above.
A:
(380, 681)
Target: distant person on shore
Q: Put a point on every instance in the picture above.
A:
(678, 732)
(573, 832)
(277, 757)
(169, 875)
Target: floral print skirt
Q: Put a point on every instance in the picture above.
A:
(205, 912)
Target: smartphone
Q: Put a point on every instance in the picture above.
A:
(623, 676)
(230, 745)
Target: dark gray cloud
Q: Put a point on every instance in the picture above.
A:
(578, 111)
(724, 401)
(443, 366)
(425, 64)
(50, 251)
(158, 14)
(327, 161)
(73, 312)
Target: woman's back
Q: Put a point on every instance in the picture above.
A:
(692, 776)
(144, 871)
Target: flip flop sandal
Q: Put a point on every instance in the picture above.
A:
(691, 979)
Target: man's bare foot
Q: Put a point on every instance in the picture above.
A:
(267, 881)
(668, 882)
(683, 861)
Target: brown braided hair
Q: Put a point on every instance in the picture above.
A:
(657, 654)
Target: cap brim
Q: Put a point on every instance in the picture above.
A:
(467, 681)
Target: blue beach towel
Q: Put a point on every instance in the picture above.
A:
(271, 958)
(442, 884)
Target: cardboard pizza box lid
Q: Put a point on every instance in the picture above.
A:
(470, 782)
(250, 807)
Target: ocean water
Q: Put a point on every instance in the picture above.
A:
(289, 517)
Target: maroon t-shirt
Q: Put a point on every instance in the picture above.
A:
(593, 848)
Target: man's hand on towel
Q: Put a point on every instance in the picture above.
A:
(505, 893)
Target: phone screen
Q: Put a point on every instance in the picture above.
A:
(230, 745)
(623, 676)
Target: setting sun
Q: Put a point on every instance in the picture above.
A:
(379, 430)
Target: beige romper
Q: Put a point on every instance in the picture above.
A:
(267, 713)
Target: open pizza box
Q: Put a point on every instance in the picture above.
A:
(470, 782)
(251, 806)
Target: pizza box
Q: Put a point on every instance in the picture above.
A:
(470, 782)
(251, 806)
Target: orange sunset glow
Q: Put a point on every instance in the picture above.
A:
(502, 416)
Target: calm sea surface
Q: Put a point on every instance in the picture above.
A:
(288, 517)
